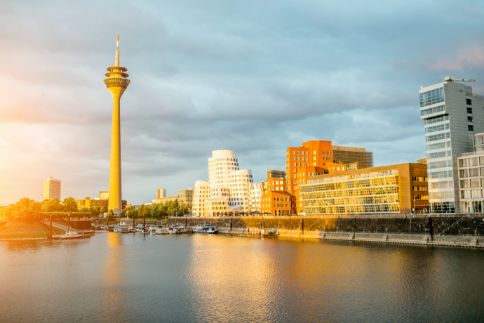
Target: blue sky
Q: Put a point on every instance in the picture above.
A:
(252, 76)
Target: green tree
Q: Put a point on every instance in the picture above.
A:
(70, 205)
(53, 205)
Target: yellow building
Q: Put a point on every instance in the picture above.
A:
(400, 188)
(52, 189)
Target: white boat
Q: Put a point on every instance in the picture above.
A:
(205, 229)
(69, 235)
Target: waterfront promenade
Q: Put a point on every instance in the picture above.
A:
(456, 230)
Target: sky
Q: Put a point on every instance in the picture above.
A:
(251, 76)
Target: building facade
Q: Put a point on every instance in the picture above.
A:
(184, 196)
(400, 188)
(278, 203)
(52, 189)
(316, 158)
(160, 193)
(471, 178)
(229, 187)
(451, 114)
(352, 155)
(201, 193)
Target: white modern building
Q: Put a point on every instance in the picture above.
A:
(255, 197)
(52, 189)
(471, 178)
(228, 187)
(452, 114)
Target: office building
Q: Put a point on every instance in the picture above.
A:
(316, 158)
(471, 178)
(452, 113)
(52, 189)
(400, 188)
(353, 155)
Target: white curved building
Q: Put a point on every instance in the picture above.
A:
(220, 165)
(227, 190)
(239, 187)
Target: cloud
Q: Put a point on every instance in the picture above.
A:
(253, 77)
(465, 58)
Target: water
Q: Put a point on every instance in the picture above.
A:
(116, 278)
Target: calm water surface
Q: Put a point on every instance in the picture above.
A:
(117, 278)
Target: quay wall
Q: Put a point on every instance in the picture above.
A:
(456, 230)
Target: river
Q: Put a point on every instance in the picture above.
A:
(131, 278)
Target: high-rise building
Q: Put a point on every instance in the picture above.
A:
(400, 188)
(451, 114)
(52, 189)
(116, 81)
(160, 193)
(471, 178)
(317, 157)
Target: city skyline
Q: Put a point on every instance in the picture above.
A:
(256, 86)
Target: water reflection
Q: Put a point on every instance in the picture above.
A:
(113, 298)
(229, 281)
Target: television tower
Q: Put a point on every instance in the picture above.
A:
(116, 81)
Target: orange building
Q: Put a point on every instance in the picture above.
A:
(316, 158)
(277, 203)
(275, 199)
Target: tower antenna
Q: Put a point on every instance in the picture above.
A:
(116, 61)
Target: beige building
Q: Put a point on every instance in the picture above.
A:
(184, 196)
(52, 189)
(471, 178)
(400, 188)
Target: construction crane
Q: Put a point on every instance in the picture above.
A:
(453, 79)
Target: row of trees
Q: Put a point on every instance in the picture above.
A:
(28, 209)
(157, 210)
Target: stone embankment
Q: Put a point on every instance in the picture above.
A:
(448, 231)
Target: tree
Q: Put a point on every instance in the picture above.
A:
(25, 209)
(53, 205)
(70, 205)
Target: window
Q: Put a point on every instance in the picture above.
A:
(440, 108)
(431, 97)
(469, 118)
(469, 110)
(470, 127)
(469, 101)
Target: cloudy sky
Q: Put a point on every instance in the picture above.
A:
(252, 76)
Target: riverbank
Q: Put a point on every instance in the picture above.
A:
(453, 231)
(13, 230)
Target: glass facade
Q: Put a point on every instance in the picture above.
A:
(432, 97)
